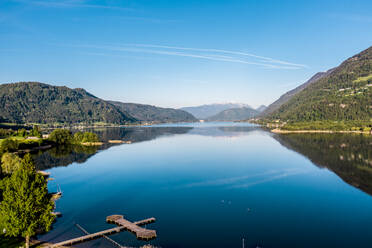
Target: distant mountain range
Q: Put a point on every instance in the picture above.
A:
(224, 111)
(234, 114)
(342, 93)
(203, 112)
(34, 102)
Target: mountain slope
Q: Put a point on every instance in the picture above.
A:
(288, 95)
(208, 110)
(33, 102)
(261, 108)
(234, 114)
(344, 93)
(150, 113)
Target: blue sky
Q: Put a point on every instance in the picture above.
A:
(179, 53)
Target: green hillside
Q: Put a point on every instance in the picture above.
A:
(149, 113)
(33, 102)
(345, 94)
(288, 95)
(235, 114)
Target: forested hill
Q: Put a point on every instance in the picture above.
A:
(33, 102)
(288, 95)
(345, 93)
(151, 113)
(235, 114)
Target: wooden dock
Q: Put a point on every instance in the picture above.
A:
(104, 236)
(141, 233)
(124, 225)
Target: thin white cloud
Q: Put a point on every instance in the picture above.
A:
(267, 59)
(206, 54)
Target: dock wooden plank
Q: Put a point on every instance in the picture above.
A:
(134, 227)
(141, 233)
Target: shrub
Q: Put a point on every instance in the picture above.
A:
(61, 136)
(90, 137)
(5, 132)
(20, 133)
(80, 137)
(8, 145)
(35, 132)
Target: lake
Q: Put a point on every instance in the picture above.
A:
(215, 184)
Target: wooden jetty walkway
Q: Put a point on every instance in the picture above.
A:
(141, 233)
(104, 236)
(123, 225)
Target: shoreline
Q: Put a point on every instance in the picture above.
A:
(281, 131)
(82, 127)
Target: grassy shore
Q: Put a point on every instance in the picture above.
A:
(277, 126)
(283, 131)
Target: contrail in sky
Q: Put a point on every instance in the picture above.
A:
(199, 53)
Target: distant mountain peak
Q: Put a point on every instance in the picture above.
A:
(207, 110)
(261, 108)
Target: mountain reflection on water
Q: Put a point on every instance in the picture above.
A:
(63, 156)
(197, 179)
(347, 155)
(68, 154)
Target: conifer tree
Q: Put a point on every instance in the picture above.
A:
(10, 162)
(26, 207)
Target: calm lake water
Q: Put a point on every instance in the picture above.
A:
(214, 184)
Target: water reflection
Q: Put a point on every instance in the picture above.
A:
(199, 179)
(224, 131)
(66, 155)
(138, 134)
(347, 155)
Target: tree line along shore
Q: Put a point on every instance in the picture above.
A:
(329, 126)
(22, 185)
